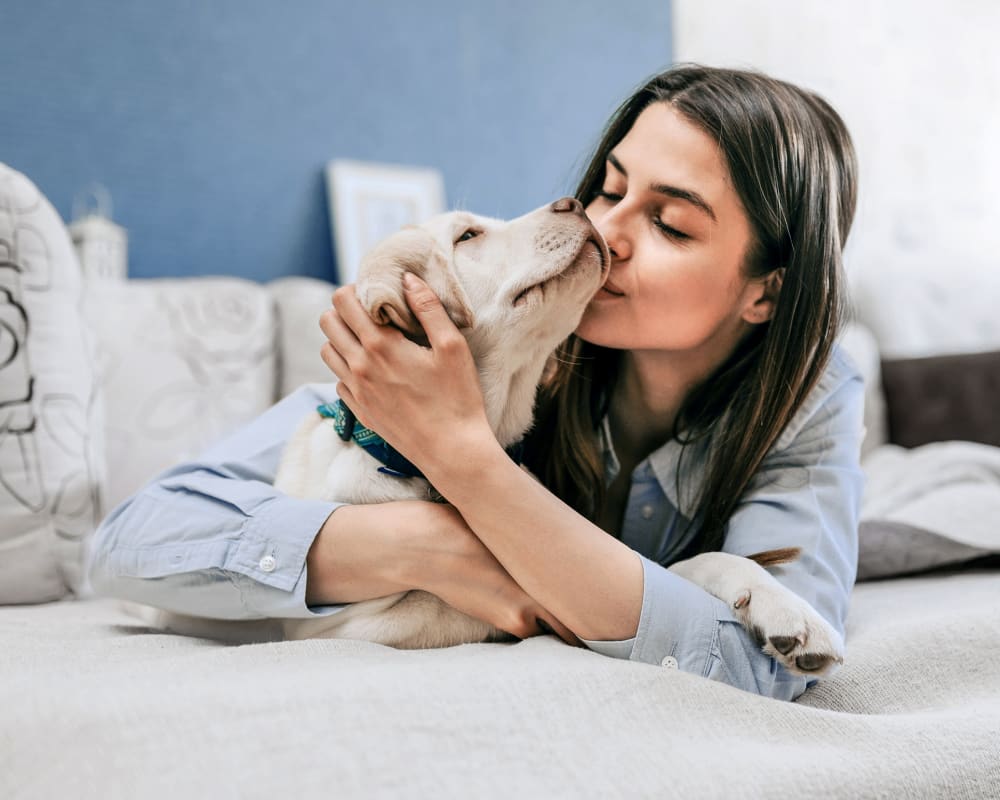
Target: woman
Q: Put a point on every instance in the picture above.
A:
(701, 405)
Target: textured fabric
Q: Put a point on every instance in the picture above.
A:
(197, 539)
(98, 705)
(929, 506)
(51, 450)
(298, 304)
(181, 364)
(887, 548)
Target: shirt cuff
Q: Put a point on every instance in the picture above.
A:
(621, 648)
(678, 620)
(271, 561)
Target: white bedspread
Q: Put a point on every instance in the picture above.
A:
(93, 705)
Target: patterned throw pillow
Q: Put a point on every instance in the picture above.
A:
(51, 456)
(181, 363)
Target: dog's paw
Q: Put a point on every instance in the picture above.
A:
(788, 629)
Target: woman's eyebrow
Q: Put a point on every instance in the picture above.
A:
(670, 191)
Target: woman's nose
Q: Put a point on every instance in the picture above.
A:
(610, 226)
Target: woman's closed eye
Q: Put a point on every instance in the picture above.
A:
(667, 230)
(670, 231)
(609, 196)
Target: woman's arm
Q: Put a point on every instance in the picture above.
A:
(213, 537)
(626, 605)
(806, 494)
(590, 581)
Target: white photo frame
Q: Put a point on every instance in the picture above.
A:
(368, 201)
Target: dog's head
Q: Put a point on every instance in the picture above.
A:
(506, 284)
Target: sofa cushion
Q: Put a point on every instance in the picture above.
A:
(298, 304)
(51, 456)
(942, 398)
(182, 362)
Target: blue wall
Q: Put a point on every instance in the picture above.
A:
(211, 121)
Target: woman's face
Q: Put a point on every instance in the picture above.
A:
(678, 235)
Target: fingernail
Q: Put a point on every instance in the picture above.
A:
(410, 281)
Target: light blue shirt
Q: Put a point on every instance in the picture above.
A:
(213, 538)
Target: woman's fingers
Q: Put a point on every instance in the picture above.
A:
(339, 334)
(429, 311)
(457, 567)
(354, 317)
(334, 361)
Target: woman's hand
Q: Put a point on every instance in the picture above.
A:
(371, 551)
(419, 399)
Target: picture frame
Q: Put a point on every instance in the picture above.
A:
(370, 200)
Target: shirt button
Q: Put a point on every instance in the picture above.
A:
(669, 662)
(648, 511)
(268, 563)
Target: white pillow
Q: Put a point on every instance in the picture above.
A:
(298, 303)
(182, 362)
(51, 456)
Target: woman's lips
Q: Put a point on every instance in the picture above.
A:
(610, 289)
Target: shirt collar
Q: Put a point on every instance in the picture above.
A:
(663, 462)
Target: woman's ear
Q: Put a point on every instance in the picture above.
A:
(763, 297)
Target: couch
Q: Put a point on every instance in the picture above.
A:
(105, 382)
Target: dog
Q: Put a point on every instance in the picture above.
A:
(516, 289)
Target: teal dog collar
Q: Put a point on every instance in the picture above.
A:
(393, 463)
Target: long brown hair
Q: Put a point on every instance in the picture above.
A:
(793, 166)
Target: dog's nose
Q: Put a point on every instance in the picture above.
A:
(570, 204)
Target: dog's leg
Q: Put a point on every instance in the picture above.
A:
(785, 625)
(407, 620)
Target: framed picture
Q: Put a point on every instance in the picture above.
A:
(368, 201)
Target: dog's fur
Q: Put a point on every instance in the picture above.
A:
(516, 289)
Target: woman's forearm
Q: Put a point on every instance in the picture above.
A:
(354, 557)
(590, 581)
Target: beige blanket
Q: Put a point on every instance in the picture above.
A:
(93, 705)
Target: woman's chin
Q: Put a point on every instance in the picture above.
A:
(595, 327)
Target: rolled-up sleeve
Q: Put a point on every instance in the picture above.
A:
(213, 537)
(806, 494)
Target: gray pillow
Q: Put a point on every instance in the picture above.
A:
(887, 547)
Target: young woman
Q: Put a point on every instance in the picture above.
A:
(702, 404)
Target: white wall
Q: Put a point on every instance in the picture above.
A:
(918, 84)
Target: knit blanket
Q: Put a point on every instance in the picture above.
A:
(93, 704)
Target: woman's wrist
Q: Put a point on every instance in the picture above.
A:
(455, 466)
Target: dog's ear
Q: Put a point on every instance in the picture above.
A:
(380, 280)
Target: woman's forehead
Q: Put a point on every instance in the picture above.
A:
(664, 147)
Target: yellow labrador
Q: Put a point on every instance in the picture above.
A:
(516, 289)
